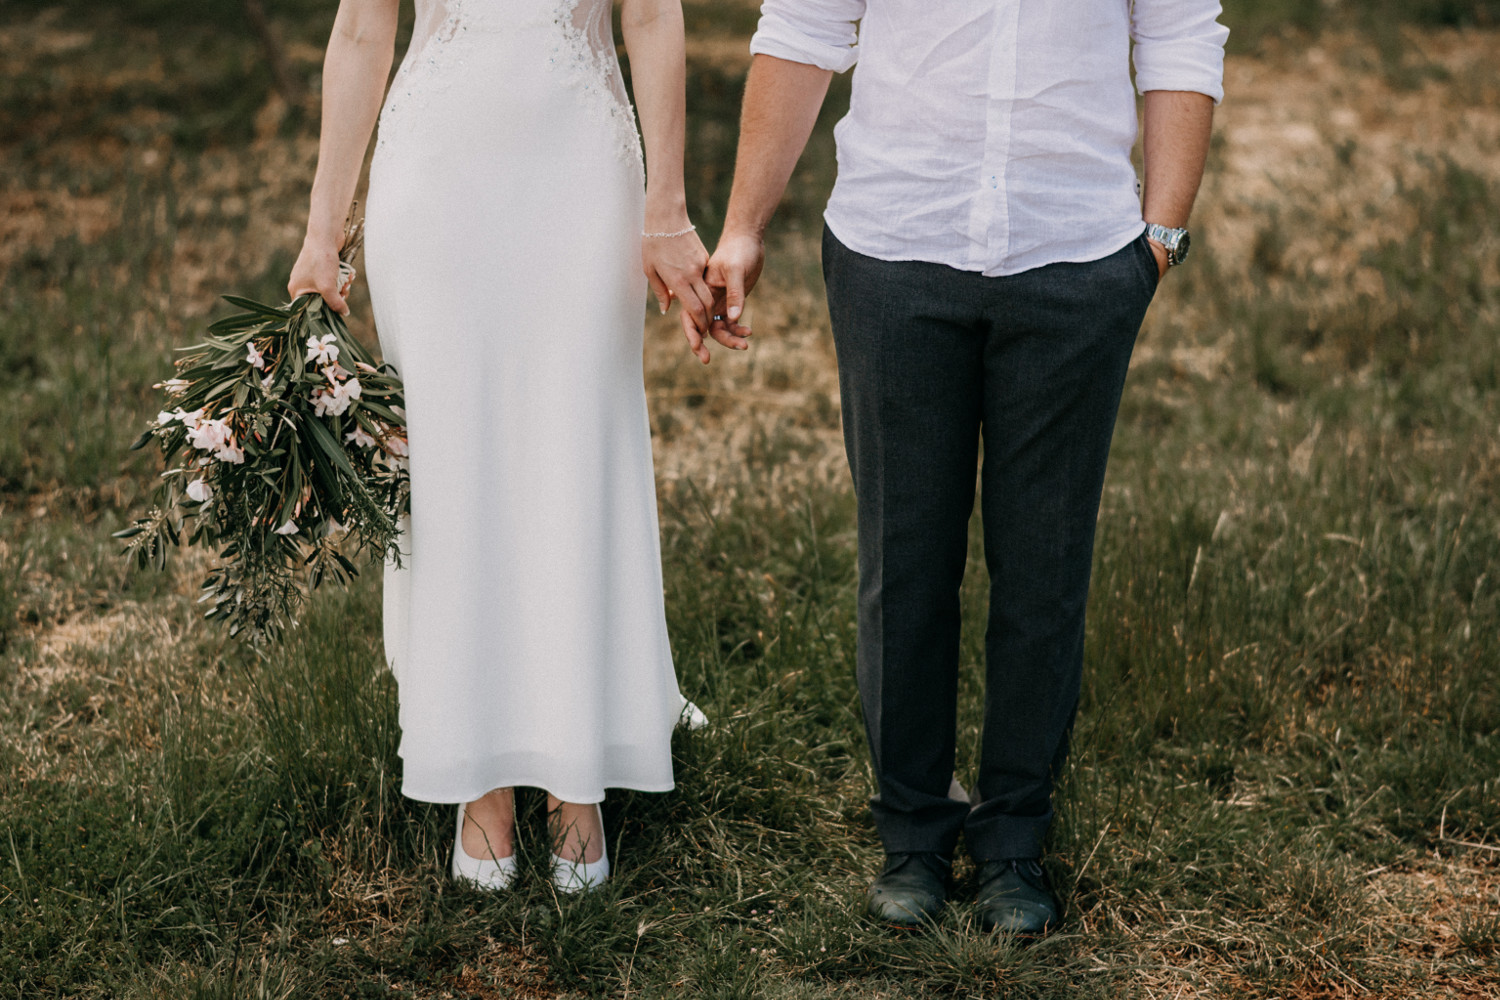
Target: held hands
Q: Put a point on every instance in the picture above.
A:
(675, 266)
(730, 275)
(674, 263)
(317, 270)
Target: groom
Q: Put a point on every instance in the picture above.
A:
(989, 257)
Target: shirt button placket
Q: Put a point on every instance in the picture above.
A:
(989, 216)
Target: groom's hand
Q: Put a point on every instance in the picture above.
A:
(732, 273)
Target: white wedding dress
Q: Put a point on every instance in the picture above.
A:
(505, 206)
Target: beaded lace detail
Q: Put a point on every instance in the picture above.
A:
(582, 50)
(429, 51)
(585, 54)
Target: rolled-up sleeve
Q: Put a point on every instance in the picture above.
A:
(820, 33)
(1179, 45)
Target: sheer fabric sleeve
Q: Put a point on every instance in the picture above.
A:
(1179, 45)
(819, 33)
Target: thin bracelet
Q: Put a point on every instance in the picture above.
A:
(668, 236)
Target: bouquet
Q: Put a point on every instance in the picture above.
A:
(285, 450)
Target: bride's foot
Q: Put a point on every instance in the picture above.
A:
(490, 825)
(484, 844)
(579, 859)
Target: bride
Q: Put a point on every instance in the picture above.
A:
(509, 220)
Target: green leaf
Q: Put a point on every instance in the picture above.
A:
(329, 444)
(383, 412)
(239, 321)
(327, 474)
(220, 388)
(257, 307)
(294, 490)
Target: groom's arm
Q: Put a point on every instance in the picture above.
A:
(1179, 68)
(782, 99)
(1178, 127)
(797, 48)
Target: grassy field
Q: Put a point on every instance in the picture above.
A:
(1286, 771)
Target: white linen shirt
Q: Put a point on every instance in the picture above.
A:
(993, 135)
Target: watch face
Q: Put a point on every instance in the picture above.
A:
(1182, 247)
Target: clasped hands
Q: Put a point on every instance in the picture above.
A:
(710, 290)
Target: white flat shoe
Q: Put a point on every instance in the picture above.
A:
(581, 876)
(691, 716)
(482, 873)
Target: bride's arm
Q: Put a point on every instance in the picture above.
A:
(355, 68)
(674, 264)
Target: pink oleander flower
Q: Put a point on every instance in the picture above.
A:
(199, 490)
(173, 386)
(336, 400)
(265, 383)
(371, 369)
(322, 350)
(396, 445)
(327, 403)
(361, 438)
(290, 528)
(166, 417)
(209, 434)
(336, 373)
(254, 357)
(230, 452)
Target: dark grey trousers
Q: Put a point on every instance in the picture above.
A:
(931, 359)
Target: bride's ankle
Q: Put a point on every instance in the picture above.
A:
(576, 830)
(489, 825)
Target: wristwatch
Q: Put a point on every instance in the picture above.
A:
(1175, 241)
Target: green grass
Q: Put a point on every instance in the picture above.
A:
(1290, 693)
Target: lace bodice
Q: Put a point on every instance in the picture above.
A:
(579, 47)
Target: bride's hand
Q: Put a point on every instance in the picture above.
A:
(674, 267)
(317, 270)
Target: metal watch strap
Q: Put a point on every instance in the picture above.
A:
(1175, 241)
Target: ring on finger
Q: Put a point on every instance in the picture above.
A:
(718, 318)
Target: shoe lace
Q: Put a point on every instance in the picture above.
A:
(1029, 870)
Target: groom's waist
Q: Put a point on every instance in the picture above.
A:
(997, 218)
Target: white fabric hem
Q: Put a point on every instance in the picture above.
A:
(454, 795)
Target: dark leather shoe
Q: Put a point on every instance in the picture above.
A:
(1014, 897)
(910, 890)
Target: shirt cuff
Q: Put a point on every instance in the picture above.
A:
(776, 37)
(1193, 64)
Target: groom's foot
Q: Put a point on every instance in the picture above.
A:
(1014, 898)
(910, 890)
